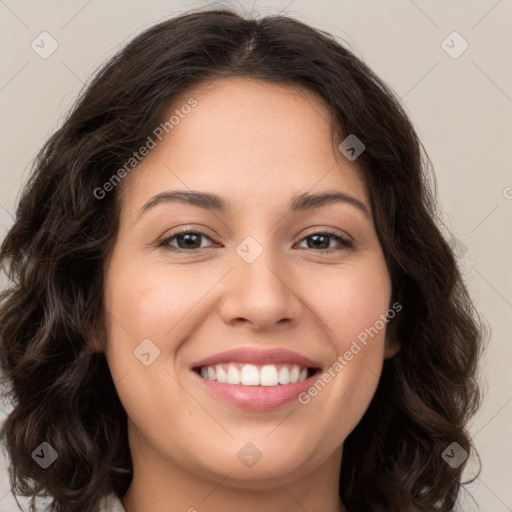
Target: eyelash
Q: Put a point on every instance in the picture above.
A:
(344, 242)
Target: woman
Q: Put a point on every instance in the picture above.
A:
(230, 290)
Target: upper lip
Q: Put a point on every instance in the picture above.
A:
(257, 356)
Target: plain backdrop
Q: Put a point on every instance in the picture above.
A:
(459, 99)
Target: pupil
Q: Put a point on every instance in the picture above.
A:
(188, 237)
(316, 237)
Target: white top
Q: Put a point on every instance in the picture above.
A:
(111, 503)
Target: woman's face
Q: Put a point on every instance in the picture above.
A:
(251, 278)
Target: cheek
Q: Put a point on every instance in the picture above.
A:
(146, 310)
(351, 299)
(157, 302)
(151, 302)
(350, 304)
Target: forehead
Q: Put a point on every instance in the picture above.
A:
(245, 138)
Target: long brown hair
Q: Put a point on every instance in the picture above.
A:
(63, 394)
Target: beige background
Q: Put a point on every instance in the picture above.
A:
(461, 107)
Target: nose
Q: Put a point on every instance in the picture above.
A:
(262, 293)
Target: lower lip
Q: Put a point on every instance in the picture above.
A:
(256, 398)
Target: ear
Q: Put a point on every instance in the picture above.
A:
(95, 339)
(95, 344)
(391, 348)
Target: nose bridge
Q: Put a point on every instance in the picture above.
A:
(260, 289)
(259, 264)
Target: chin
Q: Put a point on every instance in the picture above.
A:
(248, 466)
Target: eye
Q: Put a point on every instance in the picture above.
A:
(191, 241)
(322, 240)
(186, 241)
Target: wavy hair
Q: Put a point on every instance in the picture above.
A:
(62, 393)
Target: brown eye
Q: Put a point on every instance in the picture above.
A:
(185, 241)
(322, 241)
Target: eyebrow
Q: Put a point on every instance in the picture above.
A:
(209, 201)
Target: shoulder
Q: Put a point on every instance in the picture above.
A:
(111, 503)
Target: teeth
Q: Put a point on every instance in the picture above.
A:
(221, 374)
(254, 375)
(233, 375)
(294, 374)
(284, 375)
(268, 375)
(249, 376)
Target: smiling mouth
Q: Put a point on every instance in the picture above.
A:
(247, 374)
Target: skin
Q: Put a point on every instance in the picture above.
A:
(257, 145)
